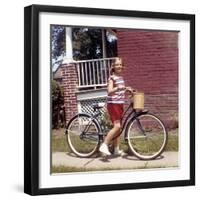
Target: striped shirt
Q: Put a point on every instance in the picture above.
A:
(118, 96)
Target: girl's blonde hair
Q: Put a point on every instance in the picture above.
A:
(112, 69)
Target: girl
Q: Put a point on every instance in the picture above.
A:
(115, 100)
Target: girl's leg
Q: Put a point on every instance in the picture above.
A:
(112, 133)
(116, 142)
(116, 148)
(108, 139)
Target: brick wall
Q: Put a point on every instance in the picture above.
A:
(69, 84)
(151, 65)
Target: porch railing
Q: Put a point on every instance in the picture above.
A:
(93, 73)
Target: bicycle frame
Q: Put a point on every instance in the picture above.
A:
(125, 120)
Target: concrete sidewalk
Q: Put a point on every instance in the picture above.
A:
(167, 159)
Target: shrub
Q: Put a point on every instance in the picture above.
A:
(58, 111)
(174, 121)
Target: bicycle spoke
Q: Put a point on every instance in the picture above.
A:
(146, 136)
(82, 135)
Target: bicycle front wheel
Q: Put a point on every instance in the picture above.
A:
(83, 135)
(147, 136)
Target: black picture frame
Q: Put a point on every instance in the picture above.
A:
(31, 98)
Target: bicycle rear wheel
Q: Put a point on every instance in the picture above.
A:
(83, 135)
(147, 136)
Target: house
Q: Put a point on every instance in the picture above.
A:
(151, 66)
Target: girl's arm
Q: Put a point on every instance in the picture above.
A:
(111, 89)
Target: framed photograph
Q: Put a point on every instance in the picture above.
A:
(109, 99)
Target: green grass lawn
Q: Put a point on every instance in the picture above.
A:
(59, 143)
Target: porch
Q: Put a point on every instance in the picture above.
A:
(92, 80)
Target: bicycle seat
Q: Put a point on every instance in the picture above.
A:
(98, 105)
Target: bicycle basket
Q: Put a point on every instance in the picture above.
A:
(138, 101)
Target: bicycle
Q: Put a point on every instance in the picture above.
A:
(144, 133)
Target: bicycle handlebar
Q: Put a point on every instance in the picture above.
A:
(131, 91)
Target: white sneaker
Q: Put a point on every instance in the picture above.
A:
(118, 153)
(104, 149)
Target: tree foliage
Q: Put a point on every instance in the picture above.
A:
(87, 43)
(57, 41)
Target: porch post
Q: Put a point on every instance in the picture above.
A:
(69, 49)
(103, 43)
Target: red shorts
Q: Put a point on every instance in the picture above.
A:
(115, 111)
